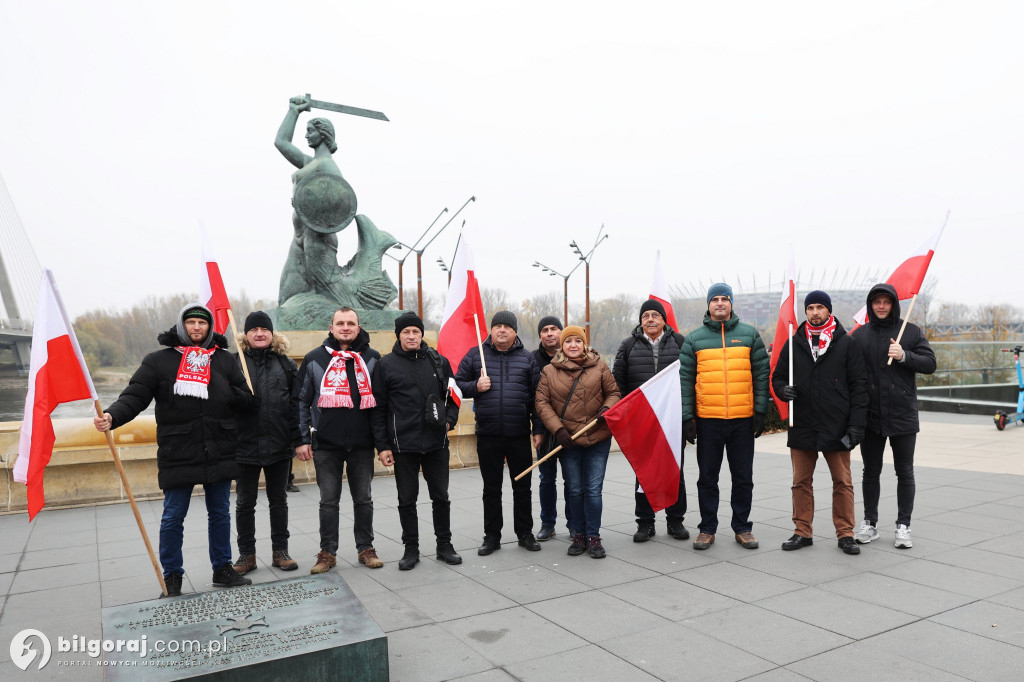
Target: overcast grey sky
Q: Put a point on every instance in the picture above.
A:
(720, 133)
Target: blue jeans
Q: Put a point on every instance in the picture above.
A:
(218, 512)
(715, 438)
(359, 465)
(549, 494)
(583, 468)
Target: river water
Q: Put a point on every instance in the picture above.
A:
(14, 389)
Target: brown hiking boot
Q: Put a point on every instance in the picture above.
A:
(747, 540)
(325, 561)
(368, 557)
(245, 563)
(703, 541)
(283, 561)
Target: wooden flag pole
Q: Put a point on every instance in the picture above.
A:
(131, 499)
(479, 344)
(241, 356)
(791, 372)
(903, 327)
(555, 450)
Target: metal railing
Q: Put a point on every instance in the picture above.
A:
(969, 363)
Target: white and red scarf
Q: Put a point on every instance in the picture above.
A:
(824, 334)
(334, 389)
(194, 371)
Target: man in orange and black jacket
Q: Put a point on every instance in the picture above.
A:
(724, 372)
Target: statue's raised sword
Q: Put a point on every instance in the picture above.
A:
(343, 109)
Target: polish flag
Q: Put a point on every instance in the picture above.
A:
(659, 292)
(57, 375)
(783, 331)
(211, 288)
(648, 426)
(458, 333)
(908, 277)
(454, 392)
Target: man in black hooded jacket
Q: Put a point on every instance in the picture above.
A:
(892, 410)
(652, 347)
(198, 386)
(414, 414)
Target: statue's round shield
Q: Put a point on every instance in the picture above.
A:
(324, 202)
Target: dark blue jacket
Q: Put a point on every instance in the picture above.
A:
(506, 409)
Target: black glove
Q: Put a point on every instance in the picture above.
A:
(790, 393)
(563, 438)
(600, 413)
(758, 424)
(690, 430)
(854, 435)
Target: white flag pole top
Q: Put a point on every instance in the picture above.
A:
(205, 290)
(660, 286)
(461, 266)
(51, 322)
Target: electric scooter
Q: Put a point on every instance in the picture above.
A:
(1002, 419)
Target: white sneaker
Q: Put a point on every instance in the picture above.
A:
(903, 540)
(866, 534)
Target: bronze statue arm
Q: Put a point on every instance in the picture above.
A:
(283, 141)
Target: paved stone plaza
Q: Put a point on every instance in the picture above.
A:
(951, 608)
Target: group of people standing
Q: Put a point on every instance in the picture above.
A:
(347, 402)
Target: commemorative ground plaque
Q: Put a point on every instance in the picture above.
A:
(310, 628)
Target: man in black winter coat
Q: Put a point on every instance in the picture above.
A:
(505, 418)
(830, 402)
(336, 400)
(417, 405)
(651, 347)
(197, 386)
(892, 406)
(549, 329)
(267, 438)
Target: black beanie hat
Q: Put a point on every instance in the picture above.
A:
(506, 318)
(548, 320)
(818, 297)
(656, 306)
(258, 318)
(408, 319)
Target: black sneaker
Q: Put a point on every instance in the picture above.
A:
(596, 550)
(409, 559)
(173, 583)
(225, 576)
(644, 531)
(546, 533)
(446, 553)
(849, 545)
(529, 542)
(797, 542)
(578, 546)
(490, 546)
(677, 530)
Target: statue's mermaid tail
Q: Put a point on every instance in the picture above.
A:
(364, 272)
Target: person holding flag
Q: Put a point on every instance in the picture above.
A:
(652, 346)
(829, 391)
(417, 405)
(198, 388)
(892, 361)
(575, 389)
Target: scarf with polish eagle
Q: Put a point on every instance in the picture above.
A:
(334, 389)
(194, 371)
(824, 334)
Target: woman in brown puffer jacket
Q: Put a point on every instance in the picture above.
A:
(565, 409)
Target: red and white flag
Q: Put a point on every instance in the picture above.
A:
(648, 426)
(783, 331)
(659, 292)
(454, 392)
(211, 288)
(458, 330)
(908, 277)
(57, 375)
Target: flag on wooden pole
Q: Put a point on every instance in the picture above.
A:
(211, 288)
(648, 426)
(787, 321)
(458, 330)
(57, 375)
(659, 292)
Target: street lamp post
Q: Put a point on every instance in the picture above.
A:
(419, 254)
(585, 258)
(565, 286)
(412, 250)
